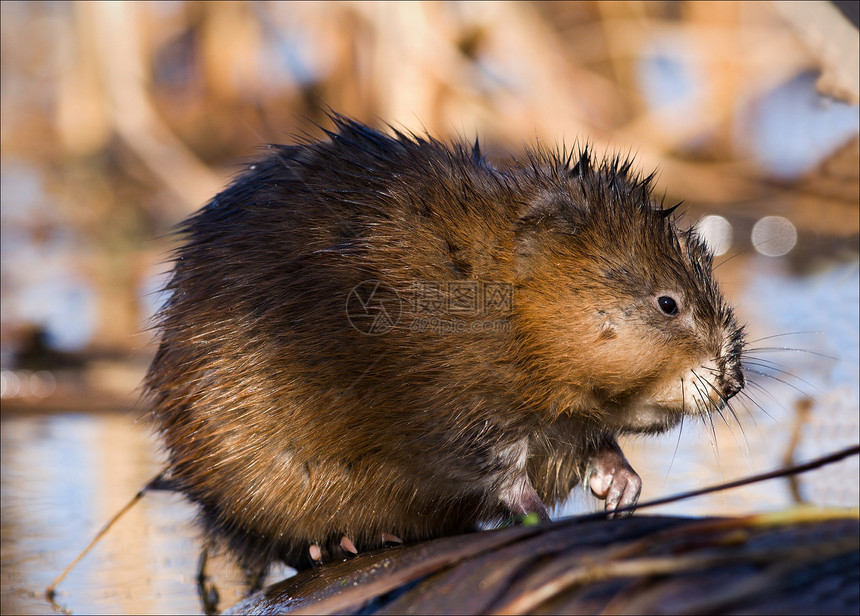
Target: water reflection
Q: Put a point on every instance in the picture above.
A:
(64, 475)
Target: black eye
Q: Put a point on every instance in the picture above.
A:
(667, 304)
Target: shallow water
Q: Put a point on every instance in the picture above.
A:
(64, 475)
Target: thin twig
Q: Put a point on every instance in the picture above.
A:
(782, 472)
(154, 483)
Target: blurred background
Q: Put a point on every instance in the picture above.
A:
(120, 119)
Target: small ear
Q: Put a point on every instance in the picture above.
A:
(551, 212)
(543, 227)
(545, 218)
(539, 210)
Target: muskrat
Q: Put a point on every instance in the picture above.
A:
(378, 336)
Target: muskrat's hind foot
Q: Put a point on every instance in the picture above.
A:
(615, 480)
(332, 550)
(520, 499)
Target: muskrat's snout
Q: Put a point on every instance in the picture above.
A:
(733, 379)
(733, 386)
(726, 368)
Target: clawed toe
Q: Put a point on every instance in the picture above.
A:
(334, 549)
(343, 548)
(347, 544)
(389, 538)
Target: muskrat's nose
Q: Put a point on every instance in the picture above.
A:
(733, 382)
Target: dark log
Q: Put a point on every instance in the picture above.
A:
(795, 562)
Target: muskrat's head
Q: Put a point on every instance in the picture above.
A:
(618, 315)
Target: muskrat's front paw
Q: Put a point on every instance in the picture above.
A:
(615, 481)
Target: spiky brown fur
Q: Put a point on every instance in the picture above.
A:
(290, 426)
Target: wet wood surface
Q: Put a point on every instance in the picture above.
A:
(798, 562)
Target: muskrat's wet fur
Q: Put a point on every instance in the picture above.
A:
(291, 423)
